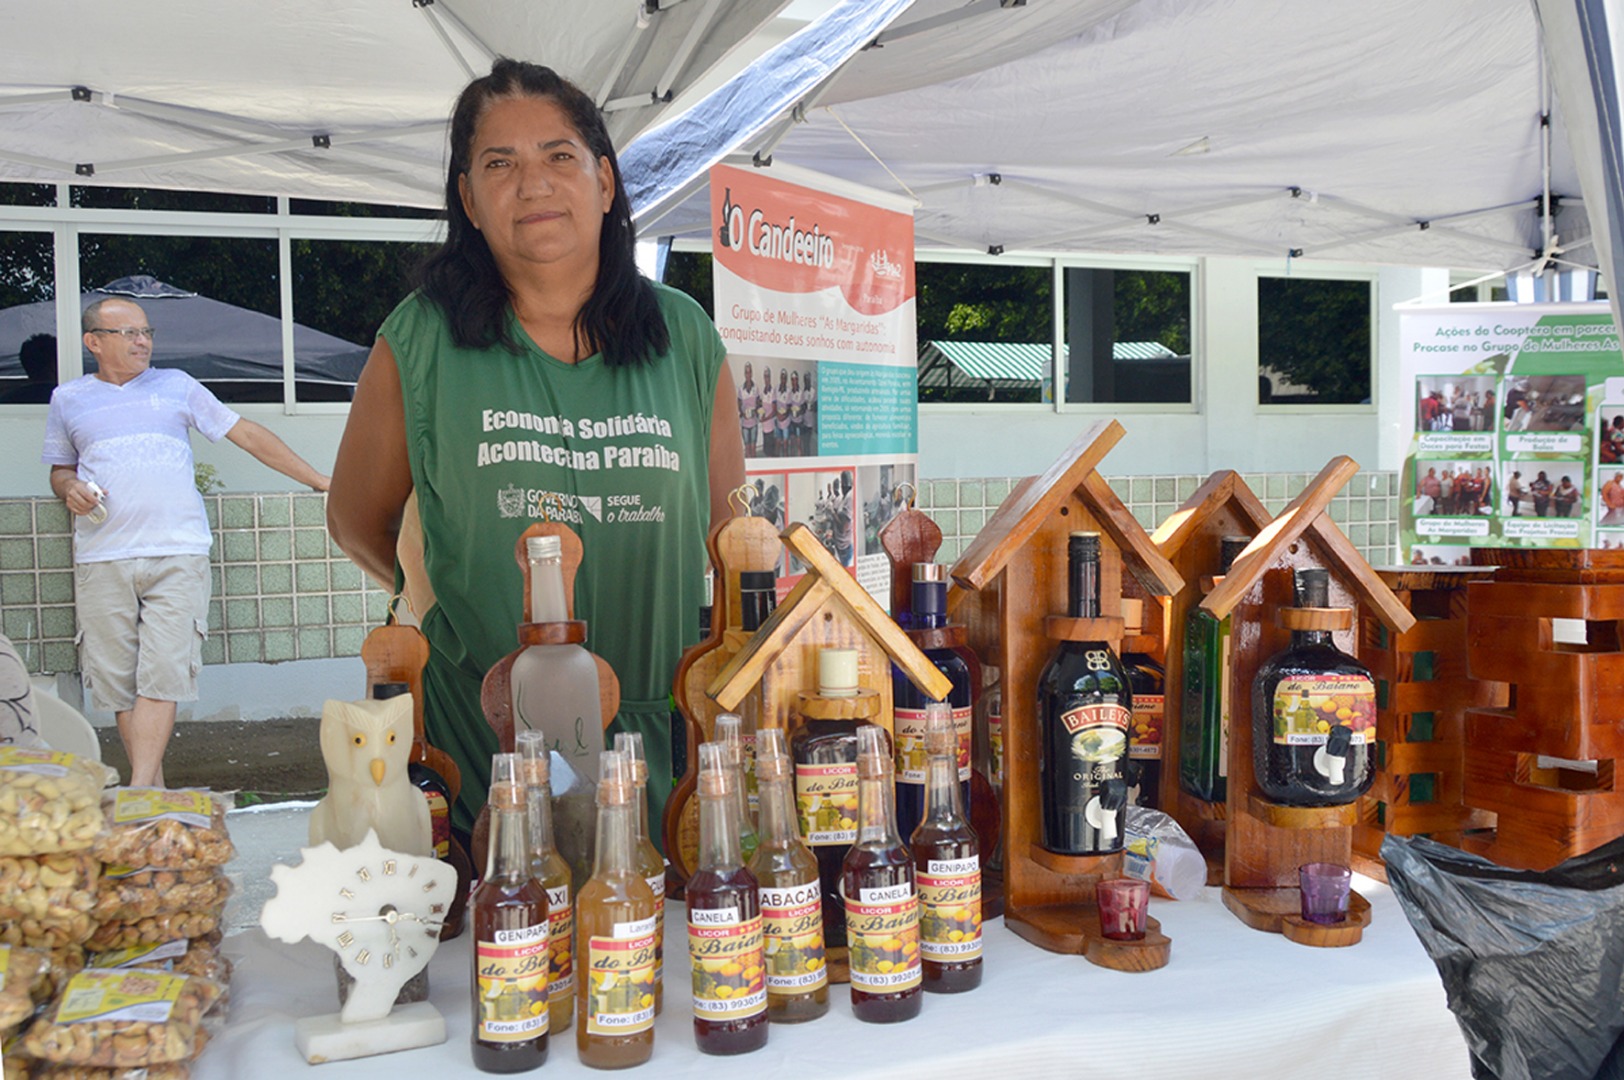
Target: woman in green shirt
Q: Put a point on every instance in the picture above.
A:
(535, 374)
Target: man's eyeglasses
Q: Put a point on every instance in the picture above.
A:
(130, 333)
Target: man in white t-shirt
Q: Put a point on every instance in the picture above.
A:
(141, 572)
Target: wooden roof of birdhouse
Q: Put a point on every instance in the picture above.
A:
(827, 585)
(1074, 473)
(1307, 517)
(1222, 489)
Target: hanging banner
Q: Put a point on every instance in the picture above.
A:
(814, 288)
(1512, 418)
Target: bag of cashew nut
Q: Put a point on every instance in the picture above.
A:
(21, 978)
(46, 900)
(49, 801)
(125, 1019)
(177, 1071)
(195, 956)
(125, 895)
(164, 830)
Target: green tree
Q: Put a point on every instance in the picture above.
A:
(1316, 333)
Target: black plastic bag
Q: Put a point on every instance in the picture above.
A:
(1532, 961)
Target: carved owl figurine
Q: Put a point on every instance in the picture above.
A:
(365, 745)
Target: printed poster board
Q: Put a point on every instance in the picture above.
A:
(814, 285)
(1515, 420)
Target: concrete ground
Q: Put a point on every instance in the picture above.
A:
(266, 761)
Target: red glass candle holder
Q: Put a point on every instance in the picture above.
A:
(1124, 905)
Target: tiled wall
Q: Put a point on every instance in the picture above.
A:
(283, 591)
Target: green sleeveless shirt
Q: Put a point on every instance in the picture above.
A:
(498, 441)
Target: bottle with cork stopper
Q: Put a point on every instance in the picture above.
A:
(824, 748)
(647, 858)
(947, 868)
(730, 737)
(791, 897)
(882, 904)
(548, 867)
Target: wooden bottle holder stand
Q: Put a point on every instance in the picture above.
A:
(1266, 843)
(496, 692)
(1017, 567)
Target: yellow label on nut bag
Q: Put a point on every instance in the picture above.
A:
(152, 804)
(136, 994)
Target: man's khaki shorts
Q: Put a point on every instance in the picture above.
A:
(141, 627)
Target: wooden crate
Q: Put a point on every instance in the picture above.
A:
(1544, 761)
(1423, 692)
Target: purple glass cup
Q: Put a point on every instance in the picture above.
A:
(1124, 904)
(1325, 889)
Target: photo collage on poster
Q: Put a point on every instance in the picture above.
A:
(1497, 460)
(1608, 510)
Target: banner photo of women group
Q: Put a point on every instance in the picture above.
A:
(1516, 424)
(815, 302)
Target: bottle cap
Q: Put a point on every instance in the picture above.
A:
(837, 672)
(941, 733)
(535, 764)
(1133, 614)
(614, 779)
(630, 744)
(730, 737)
(873, 760)
(1229, 549)
(757, 580)
(1085, 544)
(544, 547)
(506, 793)
(758, 596)
(772, 756)
(929, 593)
(385, 690)
(1313, 588)
(715, 777)
(929, 571)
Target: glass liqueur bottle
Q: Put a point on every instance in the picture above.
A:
(1313, 715)
(1204, 719)
(548, 867)
(1084, 705)
(724, 921)
(929, 612)
(555, 691)
(791, 898)
(645, 856)
(947, 867)
(1148, 681)
(825, 753)
(882, 906)
(758, 595)
(614, 915)
(731, 741)
(510, 938)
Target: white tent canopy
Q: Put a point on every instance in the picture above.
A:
(337, 99)
(1383, 131)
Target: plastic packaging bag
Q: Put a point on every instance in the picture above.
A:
(1532, 961)
(127, 897)
(125, 1019)
(21, 974)
(164, 830)
(49, 801)
(47, 900)
(1156, 849)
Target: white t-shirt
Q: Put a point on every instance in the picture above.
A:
(133, 440)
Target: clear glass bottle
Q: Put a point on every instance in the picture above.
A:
(882, 902)
(650, 863)
(724, 920)
(1313, 715)
(947, 867)
(548, 867)
(825, 755)
(730, 736)
(555, 691)
(1204, 718)
(614, 916)
(1084, 705)
(511, 1017)
(791, 898)
(929, 612)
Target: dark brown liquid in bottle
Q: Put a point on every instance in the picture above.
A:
(828, 742)
(709, 890)
(869, 868)
(502, 907)
(945, 977)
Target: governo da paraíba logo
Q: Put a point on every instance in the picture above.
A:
(786, 241)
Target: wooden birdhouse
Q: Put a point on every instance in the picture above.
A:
(1266, 843)
(827, 609)
(1016, 567)
(1192, 539)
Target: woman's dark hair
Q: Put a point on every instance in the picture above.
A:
(621, 318)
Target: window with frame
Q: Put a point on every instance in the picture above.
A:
(28, 364)
(985, 332)
(342, 292)
(1314, 341)
(1127, 336)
